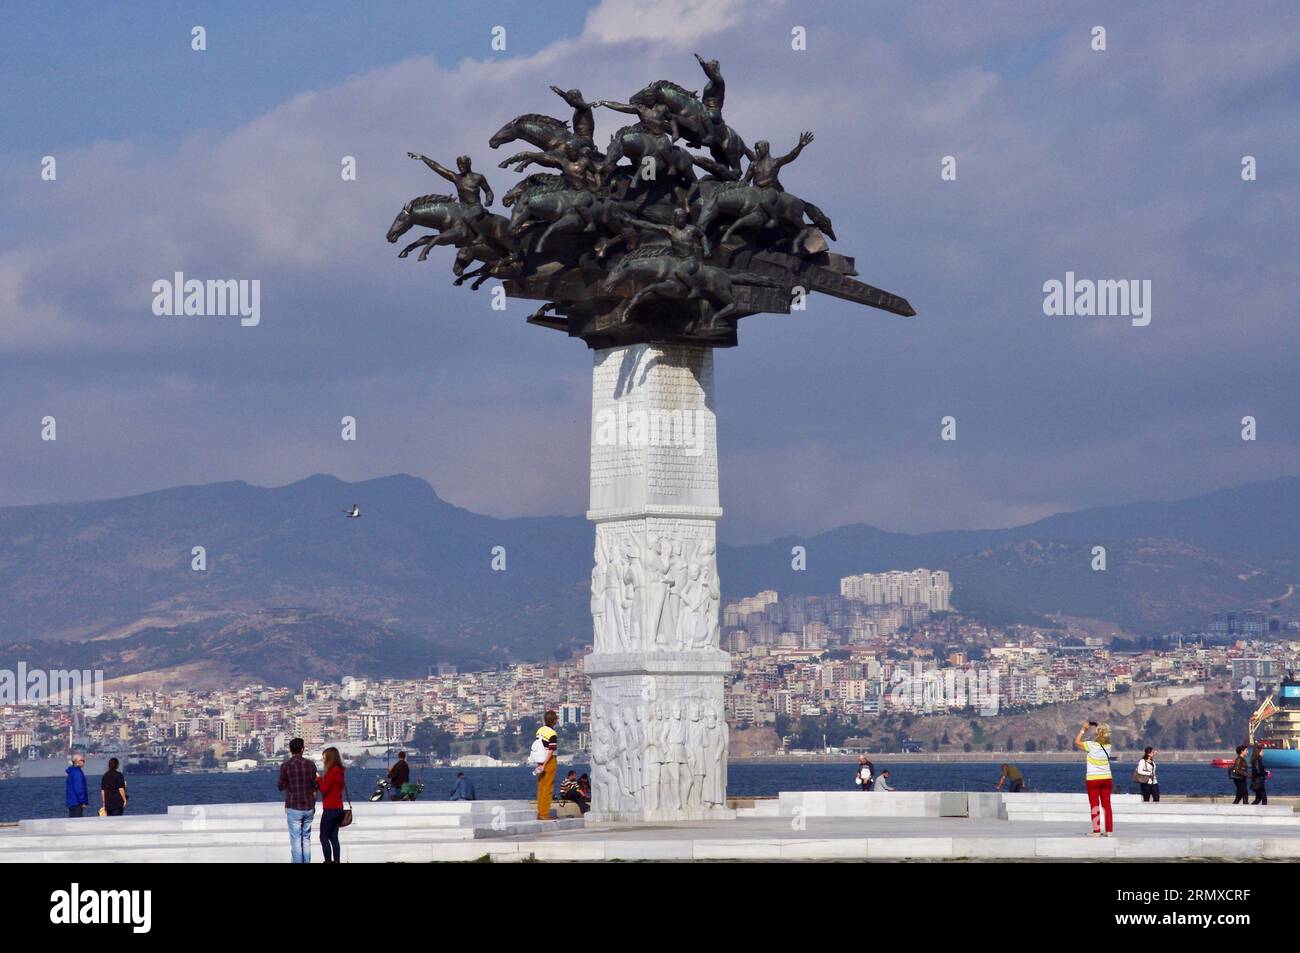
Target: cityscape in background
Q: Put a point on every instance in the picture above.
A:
(808, 673)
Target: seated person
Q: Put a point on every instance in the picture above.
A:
(569, 791)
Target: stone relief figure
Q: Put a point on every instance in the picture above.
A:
(703, 596)
(618, 756)
(636, 745)
(679, 771)
(653, 762)
(677, 573)
(633, 593)
(659, 622)
(615, 623)
(715, 747)
(667, 766)
(602, 746)
(695, 757)
(600, 639)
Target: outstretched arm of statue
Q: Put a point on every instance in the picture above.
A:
(575, 100)
(435, 166)
(488, 197)
(620, 107)
(525, 158)
(804, 139)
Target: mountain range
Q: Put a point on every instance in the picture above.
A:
(292, 588)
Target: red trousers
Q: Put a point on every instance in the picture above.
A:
(1099, 794)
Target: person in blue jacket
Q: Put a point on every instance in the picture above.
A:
(464, 789)
(75, 788)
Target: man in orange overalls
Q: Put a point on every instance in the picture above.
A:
(546, 777)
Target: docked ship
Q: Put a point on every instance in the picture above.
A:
(1280, 741)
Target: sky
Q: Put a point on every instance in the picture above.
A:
(225, 163)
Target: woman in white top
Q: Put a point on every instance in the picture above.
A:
(1145, 775)
(1098, 778)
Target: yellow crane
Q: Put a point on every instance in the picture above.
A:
(1262, 714)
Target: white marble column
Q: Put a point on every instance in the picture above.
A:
(658, 730)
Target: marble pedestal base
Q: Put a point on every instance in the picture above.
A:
(658, 727)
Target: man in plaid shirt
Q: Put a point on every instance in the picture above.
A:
(298, 782)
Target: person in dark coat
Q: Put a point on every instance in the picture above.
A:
(112, 790)
(1258, 776)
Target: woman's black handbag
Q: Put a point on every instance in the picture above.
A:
(347, 813)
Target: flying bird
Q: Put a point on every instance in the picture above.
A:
(353, 513)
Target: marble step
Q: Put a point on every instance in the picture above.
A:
(259, 846)
(163, 823)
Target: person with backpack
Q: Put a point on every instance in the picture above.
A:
(1144, 775)
(543, 756)
(1239, 772)
(1097, 777)
(1258, 776)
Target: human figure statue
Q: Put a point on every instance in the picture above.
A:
(695, 758)
(575, 164)
(469, 186)
(763, 174)
(715, 91)
(633, 594)
(711, 592)
(636, 778)
(677, 570)
(763, 171)
(602, 746)
(679, 765)
(615, 630)
(694, 605)
(657, 118)
(618, 753)
(599, 640)
(584, 120)
(685, 238)
(668, 787)
(653, 760)
(656, 570)
(716, 750)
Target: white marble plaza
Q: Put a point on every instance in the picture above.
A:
(803, 826)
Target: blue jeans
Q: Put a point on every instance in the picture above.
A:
(300, 834)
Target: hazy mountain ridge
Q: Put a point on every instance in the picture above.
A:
(411, 582)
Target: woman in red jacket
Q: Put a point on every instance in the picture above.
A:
(331, 789)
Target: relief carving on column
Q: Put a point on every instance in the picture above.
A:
(657, 751)
(662, 596)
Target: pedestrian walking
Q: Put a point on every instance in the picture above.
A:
(1259, 776)
(1239, 773)
(1145, 777)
